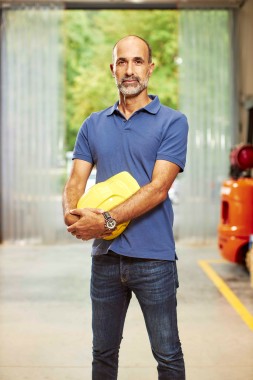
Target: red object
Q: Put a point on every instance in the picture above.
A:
(242, 156)
(236, 218)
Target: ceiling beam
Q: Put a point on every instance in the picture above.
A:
(130, 4)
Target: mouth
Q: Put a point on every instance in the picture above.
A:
(130, 80)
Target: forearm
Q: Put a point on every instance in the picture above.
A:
(70, 199)
(74, 189)
(144, 200)
(150, 195)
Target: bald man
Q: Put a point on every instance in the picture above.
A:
(147, 139)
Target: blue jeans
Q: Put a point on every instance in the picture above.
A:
(154, 282)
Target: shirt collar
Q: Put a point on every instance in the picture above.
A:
(152, 107)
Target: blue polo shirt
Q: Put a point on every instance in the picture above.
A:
(114, 144)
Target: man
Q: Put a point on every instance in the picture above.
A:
(147, 139)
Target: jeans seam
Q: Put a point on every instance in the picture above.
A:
(174, 277)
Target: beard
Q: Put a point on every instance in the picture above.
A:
(132, 89)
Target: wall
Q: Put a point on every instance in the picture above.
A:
(206, 97)
(244, 35)
(32, 126)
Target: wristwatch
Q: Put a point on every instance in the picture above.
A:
(110, 223)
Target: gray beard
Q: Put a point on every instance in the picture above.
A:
(132, 90)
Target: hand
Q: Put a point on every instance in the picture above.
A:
(70, 219)
(90, 224)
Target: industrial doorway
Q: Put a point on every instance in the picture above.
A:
(33, 126)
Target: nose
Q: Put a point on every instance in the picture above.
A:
(129, 70)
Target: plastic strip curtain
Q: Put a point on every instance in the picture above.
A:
(31, 123)
(206, 97)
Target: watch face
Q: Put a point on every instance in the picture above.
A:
(111, 224)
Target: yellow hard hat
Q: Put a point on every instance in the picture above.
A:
(109, 194)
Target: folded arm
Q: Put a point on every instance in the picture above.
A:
(91, 223)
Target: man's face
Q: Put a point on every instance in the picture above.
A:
(130, 67)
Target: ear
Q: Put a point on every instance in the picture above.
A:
(151, 68)
(112, 71)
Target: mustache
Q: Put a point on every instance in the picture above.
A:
(130, 78)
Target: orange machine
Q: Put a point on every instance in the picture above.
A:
(236, 217)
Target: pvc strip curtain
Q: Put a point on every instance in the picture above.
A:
(31, 124)
(206, 97)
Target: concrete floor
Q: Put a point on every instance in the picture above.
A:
(45, 318)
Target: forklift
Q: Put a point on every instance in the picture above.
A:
(235, 229)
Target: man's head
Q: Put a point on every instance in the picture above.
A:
(132, 65)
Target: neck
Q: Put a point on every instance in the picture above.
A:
(129, 104)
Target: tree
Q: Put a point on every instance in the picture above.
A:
(89, 38)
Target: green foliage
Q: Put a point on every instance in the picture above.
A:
(89, 38)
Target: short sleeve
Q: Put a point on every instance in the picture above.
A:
(173, 146)
(82, 149)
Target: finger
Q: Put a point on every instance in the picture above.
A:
(105, 235)
(76, 211)
(97, 210)
(71, 228)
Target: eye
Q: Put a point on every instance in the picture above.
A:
(121, 62)
(138, 61)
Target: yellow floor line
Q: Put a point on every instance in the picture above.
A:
(234, 301)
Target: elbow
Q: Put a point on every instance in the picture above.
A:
(161, 194)
(164, 195)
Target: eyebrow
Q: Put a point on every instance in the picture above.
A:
(125, 59)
